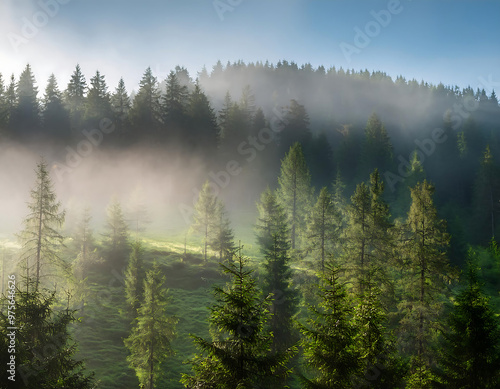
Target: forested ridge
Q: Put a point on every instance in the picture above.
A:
(344, 234)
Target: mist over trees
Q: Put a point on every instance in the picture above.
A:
(326, 228)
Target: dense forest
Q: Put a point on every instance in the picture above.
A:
(260, 226)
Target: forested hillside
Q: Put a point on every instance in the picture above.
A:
(254, 226)
(253, 113)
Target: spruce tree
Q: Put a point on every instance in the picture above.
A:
(86, 257)
(205, 215)
(272, 220)
(76, 89)
(294, 192)
(203, 128)
(4, 113)
(26, 115)
(323, 227)
(183, 77)
(470, 351)
(11, 97)
(150, 340)
(55, 116)
(381, 234)
(98, 102)
(134, 278)
(356, 235)
(138, 212)
(273, 238)
(116, 236)
(173, 105)
(74, 97)
(145, 111)
(120, 105)
(462, 145)
(84, 244)
(247, 103)
(329, 337)
(380, 366)
(40, 237)
(238, 355)
(120, 101)
(223, 115)
(296, 128)
(426, 270)
(44, 347)
(368, 251)
(414, 174)
(485, 201)
(222, 237)
(258, 122)
(277, 281)
(377, 147)
(338, 198)
(234, 126)
(368, 239)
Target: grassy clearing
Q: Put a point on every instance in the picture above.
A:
(105, 324)
(100, 335)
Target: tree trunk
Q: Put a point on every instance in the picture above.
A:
(39, 243)
(206, 240)
(323, 240)
(422, 291)
(151, 351)
(294, 209)
(492, 215)
(421, 316)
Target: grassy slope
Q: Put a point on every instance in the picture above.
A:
(104, 323)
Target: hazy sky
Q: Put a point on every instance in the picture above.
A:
(455, 42)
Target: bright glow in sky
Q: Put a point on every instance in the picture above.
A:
(456, 43)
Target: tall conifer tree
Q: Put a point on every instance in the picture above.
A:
(470, 352)
(44, 349)
(56, 121)
(329, 337)
(150, 341)
(427, 269)
(238, 355)
(75, 97)
(205, 215)
(294, 191)
(26, 115)
(116, 236)
(323, 227)
(145, 112)
(40, 237)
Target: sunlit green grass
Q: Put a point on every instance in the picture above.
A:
(105, 322)
(100, 336)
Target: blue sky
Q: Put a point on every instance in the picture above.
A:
(454, 42)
